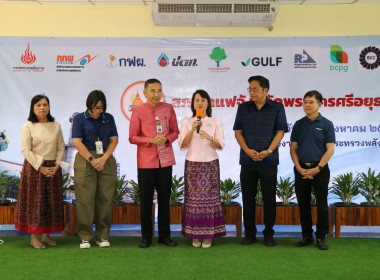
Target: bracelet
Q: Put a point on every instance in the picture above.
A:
(270, 151)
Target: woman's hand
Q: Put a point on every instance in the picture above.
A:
(195, 123)
(204, 135)
(47, 171)
(98, 163)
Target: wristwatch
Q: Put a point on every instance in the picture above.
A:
(91, 158)
(270, 151)
(320, 167)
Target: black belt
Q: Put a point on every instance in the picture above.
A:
(308, 165)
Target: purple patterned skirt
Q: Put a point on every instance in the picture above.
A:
(202, 215)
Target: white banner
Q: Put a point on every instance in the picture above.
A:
(344, 69)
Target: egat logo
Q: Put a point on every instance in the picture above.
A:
(263, 61)
(338, 56)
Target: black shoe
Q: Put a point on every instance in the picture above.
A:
(249, 240)
(145, 243)
(321, 244)
(304, 241)
(168, 242)
(269, 241)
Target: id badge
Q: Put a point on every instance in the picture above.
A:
(159, 125)
(99, 147)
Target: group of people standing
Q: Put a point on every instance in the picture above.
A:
(259, 126)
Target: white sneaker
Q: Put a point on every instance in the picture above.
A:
(103, 243)
(85, 244)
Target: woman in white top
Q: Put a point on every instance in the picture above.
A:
(40, 198)
(203, 216)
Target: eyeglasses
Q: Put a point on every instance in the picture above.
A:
(254, 89)
(100, 108)
(310, 102)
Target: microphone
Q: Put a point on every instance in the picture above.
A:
(199, 117)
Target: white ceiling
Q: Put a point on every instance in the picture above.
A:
(147, 2)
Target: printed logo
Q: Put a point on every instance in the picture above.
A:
(133, 96)
(28, 58)
(218, 54)
(305, 60)
(66, 63)
(263, 61)
(338, 56)
(369, 58)
(125, 62)
(184, 62)
(163, 60)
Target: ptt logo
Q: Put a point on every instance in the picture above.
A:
(163, 61)
(369, 58)
(338, 56)
(263, 61)
(125, 62)
(305, 59)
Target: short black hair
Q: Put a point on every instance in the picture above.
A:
(314, 93)
(151, 81)
(203, 94)
(94, 97)
(32, 116)
(264, 82)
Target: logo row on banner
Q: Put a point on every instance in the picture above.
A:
(304, 58)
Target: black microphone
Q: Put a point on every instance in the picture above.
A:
(199, 117)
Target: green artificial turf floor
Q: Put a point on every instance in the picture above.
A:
(226, 259)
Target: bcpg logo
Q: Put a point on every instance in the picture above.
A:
(369, 58)
(338, 56)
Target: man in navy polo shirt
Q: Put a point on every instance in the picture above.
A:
(312, 146)
(259, 126)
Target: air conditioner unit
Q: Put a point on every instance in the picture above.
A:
(259, 13)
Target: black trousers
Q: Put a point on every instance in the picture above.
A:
(161, 180)
(249, 176)
(303, 191)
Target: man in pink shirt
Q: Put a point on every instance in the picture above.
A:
(153, 129)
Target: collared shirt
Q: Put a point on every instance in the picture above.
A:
(202, 150)
(312, 137)
(259, 128)
(143, 126)
(91, 130)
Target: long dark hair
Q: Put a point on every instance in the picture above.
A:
(32, 116)
(203, 94)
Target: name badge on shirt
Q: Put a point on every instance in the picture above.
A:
(99, 147)
(159, 125)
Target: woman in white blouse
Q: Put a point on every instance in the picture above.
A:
(203, 216)
(40, 198)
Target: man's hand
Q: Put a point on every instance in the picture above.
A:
(158, 140)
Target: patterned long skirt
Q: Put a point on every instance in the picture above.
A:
(202, 215)
(40, 201)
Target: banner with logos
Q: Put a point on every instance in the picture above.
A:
(344, 69)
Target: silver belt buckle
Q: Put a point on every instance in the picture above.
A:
(308, 164)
